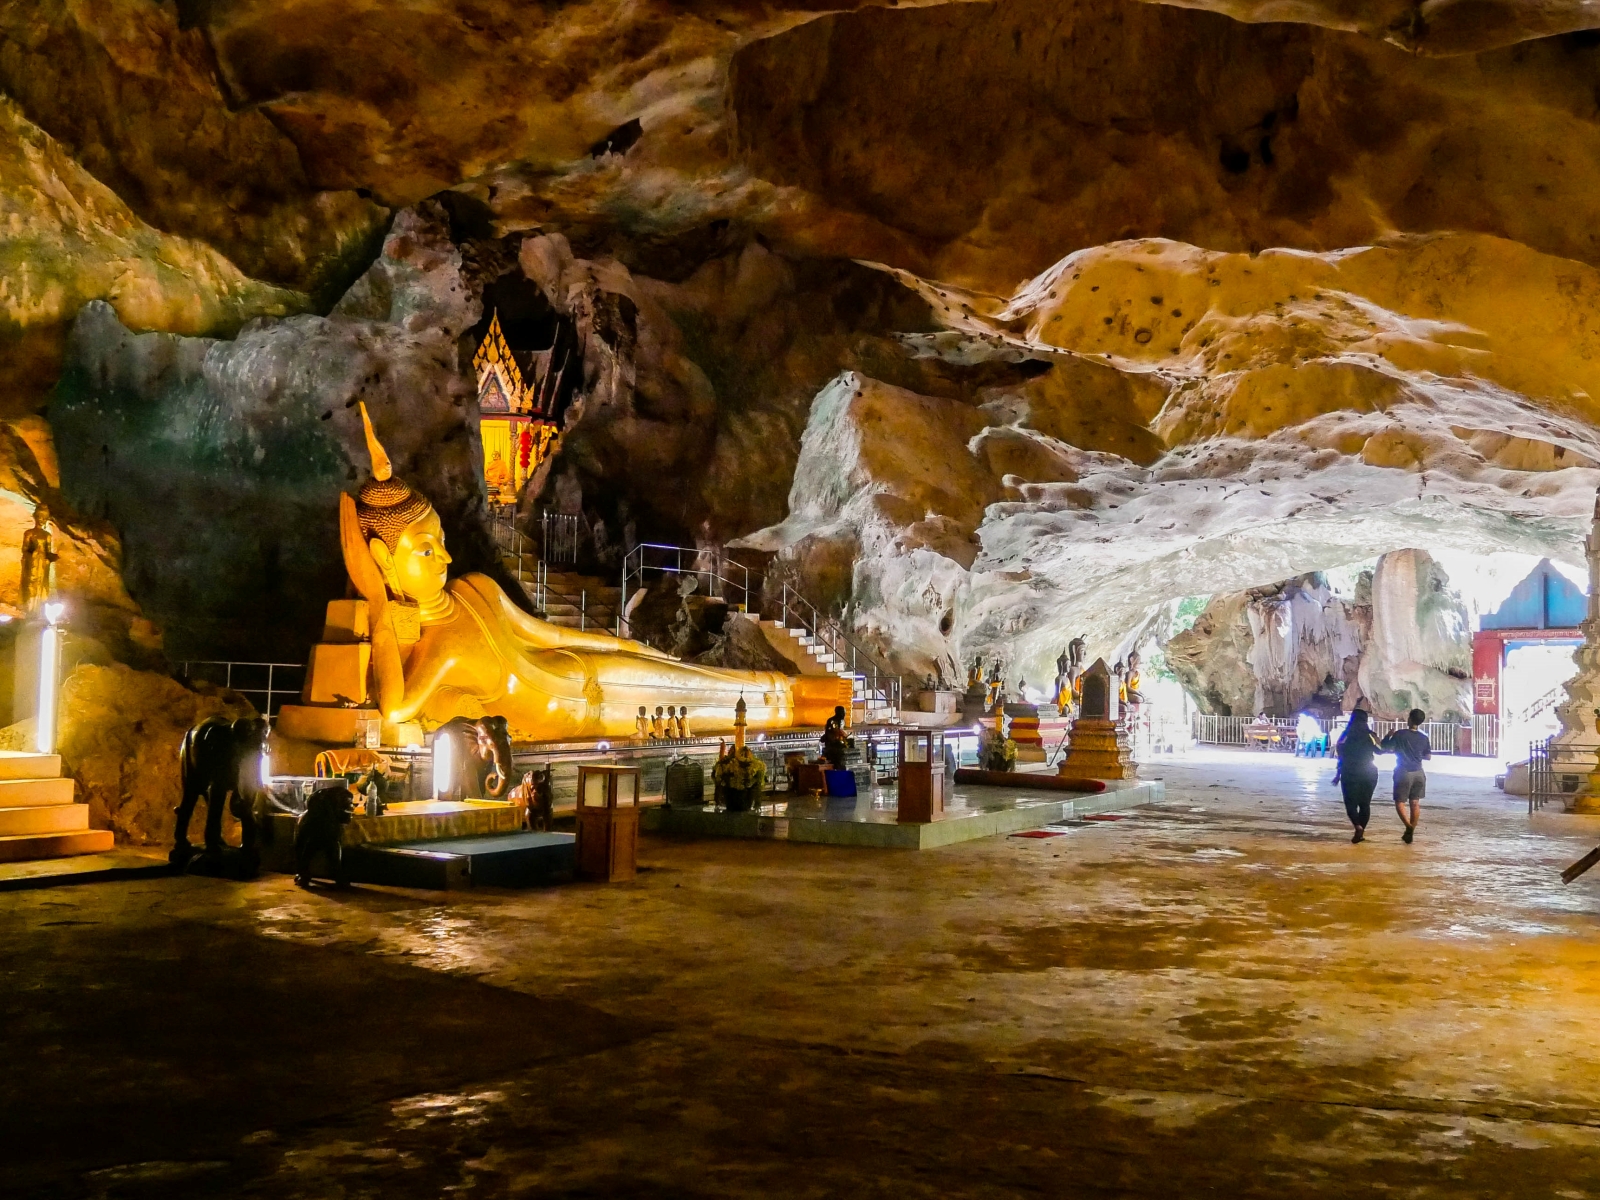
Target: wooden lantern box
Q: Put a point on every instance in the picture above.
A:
(921, 776)
(608, 823)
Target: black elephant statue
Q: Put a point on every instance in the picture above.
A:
(220, 762)
(320, 830)
(481, 762)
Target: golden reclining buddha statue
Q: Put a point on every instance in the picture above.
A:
(443, 647)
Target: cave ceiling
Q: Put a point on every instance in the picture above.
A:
(1371, 228)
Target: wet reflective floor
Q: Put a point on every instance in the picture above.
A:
(1219, 995)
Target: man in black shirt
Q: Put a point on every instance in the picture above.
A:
(1410, 747)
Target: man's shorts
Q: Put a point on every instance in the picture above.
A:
(1409, 785)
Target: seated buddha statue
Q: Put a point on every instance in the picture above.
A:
(444, 648)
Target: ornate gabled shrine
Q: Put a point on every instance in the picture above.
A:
(519, 420)
(1098, 747)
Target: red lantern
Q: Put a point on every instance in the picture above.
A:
(525, 448)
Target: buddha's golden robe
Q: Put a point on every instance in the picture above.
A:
(487, 656)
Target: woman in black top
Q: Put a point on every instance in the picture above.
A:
(1358, 771)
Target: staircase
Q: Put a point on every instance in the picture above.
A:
(38, 818)
(564, 598)
(812, 656)
(580, 601)
(814, 645)
(803, 649)
(1545, 702)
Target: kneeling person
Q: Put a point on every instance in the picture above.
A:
(1410, 747)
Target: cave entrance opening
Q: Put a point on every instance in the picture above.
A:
(1521, 661)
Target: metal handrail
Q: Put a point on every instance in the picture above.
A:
(716, 582)
(1558, 773)
(744, 590)
(558, 533)
(875, 676)
(273, 694)
(515, 543)
(1216, 730)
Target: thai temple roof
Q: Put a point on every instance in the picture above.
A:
(500, 381)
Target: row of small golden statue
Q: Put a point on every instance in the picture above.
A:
(673, 726)
(1070, 667)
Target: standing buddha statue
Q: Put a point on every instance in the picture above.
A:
(38, 561)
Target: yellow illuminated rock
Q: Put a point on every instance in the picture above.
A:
(443, 648)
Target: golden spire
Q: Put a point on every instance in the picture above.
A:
(381, 469)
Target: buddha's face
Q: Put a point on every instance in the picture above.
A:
(418, 565)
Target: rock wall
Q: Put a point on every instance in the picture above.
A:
(221, 461)
(1262, 416)
(119, 739)
(1402, 641)
(1284, 650)
(1420, 651)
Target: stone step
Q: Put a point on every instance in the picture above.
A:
(34, 793)
(18, 764)
(48, 818)
(19, 848)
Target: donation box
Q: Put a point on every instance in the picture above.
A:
(921, 776)
(608, 823)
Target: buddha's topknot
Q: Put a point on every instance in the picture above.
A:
(385, 505)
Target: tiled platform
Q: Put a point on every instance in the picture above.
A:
(412, 821)
(870, 820)
(505, 860)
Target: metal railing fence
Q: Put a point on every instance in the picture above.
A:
(1556, 774)
(720, 576)
(268, 686)
(1213, 730)
(876, 686)
(558, 535)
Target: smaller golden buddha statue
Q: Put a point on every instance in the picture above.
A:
(38, 561)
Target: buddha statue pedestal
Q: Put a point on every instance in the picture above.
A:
(336, 707)
(1098, 750)
(1098, 746)
(1023, 729)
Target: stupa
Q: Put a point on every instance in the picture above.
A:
(1574, 751)
(1098, 746)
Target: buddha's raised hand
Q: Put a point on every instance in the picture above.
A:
(358, 560)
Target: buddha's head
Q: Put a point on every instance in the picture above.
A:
(402, 530)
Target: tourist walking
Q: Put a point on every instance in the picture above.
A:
(1410, 746)
(1357, 772)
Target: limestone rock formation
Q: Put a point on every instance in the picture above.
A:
(66, 239)
(1296, 412)
(221, 461)
(132, 91)
(1293, 648)
(1419, 654)
(1402, 641)
(119, 739)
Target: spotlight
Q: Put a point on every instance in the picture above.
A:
(49, 664)
(441, 763)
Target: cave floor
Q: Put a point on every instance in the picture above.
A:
(1217, 996)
